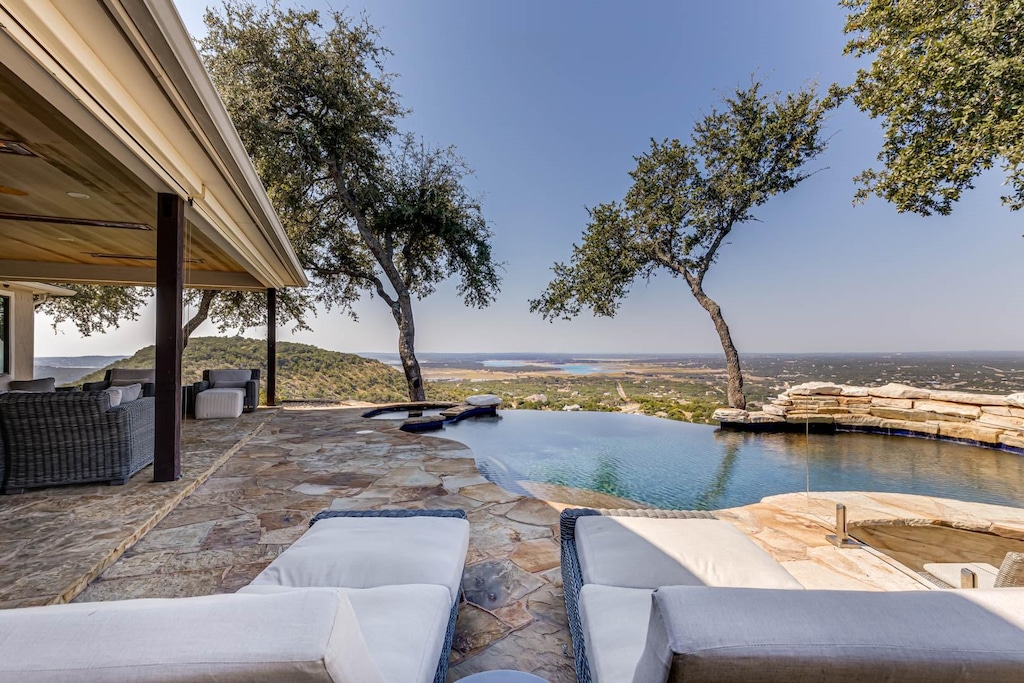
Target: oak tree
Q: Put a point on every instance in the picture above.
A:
(685, 200)
(947, 80)
(369, 210)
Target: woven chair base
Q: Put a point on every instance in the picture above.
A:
(572, 574)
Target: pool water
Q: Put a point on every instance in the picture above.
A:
(679, 465)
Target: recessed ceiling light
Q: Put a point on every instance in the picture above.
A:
(78, 195)
(65, 239)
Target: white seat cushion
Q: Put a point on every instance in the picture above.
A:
(775, 636)
(367, 552)
(404, 626)
(483, 400)
(615, 624)
(642, 552)
(214, 403)
(301, 636)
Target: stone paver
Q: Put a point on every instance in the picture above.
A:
(512, 614)
(54, 541)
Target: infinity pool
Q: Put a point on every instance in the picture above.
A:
(686, 466)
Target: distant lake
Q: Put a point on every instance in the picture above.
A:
(568, 368)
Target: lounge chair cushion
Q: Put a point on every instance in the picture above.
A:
(301, 636)
(404, 626)
(120, 377)
(214, 403)
(115, 396)
(367, 552)
(615, 624)
(720, 635)
(229, 379)
(44, 385)
(643, 552)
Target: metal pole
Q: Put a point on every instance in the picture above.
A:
(271, 347)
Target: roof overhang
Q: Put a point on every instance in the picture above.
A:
(38, 288)
(112, 102)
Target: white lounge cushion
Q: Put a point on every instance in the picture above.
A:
(367, 552)
(615, 624)
(484, 400)
(295, 637)
(642, 552)
(404, 626)
(214, 403)
(775, 636)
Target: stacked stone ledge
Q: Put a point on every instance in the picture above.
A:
(986, 419)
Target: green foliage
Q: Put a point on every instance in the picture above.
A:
(305, 372)
(947, 78)
(685, 200)
(367, 209)
(94, 308)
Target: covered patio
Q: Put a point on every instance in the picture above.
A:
(119, 166)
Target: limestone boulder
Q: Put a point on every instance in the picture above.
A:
(854, 391)
(901, 414)
(816, 389)
(765, 418)
(968, 398)
(951, 409)
(1016, 400)
(929, 428)
(855, 400)
(734, 415)
(1011, 440)
(537, 398)
(809, 418)
(858, 421)
(1001, 422)
(898, 391)
(892, 402)
(771, 409)
(1005, 411)
(972, 432)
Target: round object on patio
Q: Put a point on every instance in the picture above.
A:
(484, 400)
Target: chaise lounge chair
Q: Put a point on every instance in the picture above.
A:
(656, 596)
(226, 393)
(362, 597)
(613, 560)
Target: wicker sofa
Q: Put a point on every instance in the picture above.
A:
(56, 438)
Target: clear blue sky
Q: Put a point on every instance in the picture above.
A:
(550, 101)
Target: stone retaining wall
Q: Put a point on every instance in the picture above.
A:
(983, 419)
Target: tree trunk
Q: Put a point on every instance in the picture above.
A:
(407, 348)
(200, 316)
(732, 358)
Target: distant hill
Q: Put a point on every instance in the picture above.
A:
(304, 371)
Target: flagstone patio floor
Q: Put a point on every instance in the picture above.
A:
(252, 485)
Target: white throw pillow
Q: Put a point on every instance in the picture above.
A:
(130, 393)
(115, 396)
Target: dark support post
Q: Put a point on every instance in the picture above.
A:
(170, 233)
(271, 347)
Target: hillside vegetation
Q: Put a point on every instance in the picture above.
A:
(304, 371)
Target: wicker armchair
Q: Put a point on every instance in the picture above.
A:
(247, 380)
(119, 377)
(55, 438)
